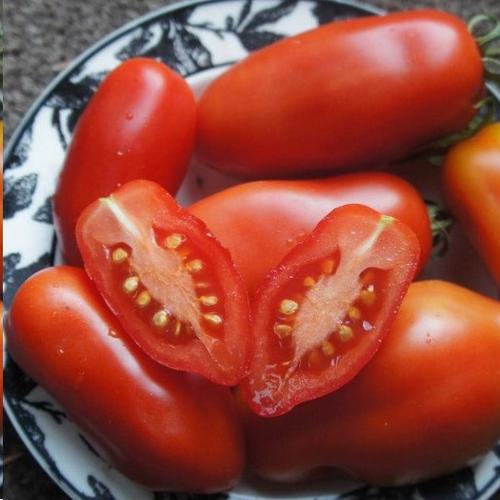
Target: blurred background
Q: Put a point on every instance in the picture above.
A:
(40, 38)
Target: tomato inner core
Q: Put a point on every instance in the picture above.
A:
(329, 305)
(169, 281)
(357, 321)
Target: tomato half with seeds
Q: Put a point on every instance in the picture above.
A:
(170, 282)
(321, 315)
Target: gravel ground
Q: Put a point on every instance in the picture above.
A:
(41, 38)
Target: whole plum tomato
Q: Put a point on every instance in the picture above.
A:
(259, 222)
(161, 428)
(471, 180)
(139, 124)
(348, 94)
(425, 404)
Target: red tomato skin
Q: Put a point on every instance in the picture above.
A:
(425, 405)
(471, 181)
(149, 202)
(140, 124)
(276, 215)
(163, 429)
(345, 95)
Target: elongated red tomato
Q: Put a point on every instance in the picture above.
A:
(321, 315)
(276, 215)
(140, 124)
(164, 429)
(172, 285)
(426, 404)
(348, 94)
(471, 180)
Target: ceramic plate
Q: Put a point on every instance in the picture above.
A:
(200, 40)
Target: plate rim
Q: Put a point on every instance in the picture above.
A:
(62, 483)
(117, 33)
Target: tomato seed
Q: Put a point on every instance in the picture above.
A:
(327, 266)
(213, 319)
(161, 318)
(202, 284)
(178, 326)
(143, 299)
(289, 307)
(345, 333)
(131, 284)
(281, 330)
(309, 281)
(327, 348)
(209, 300)
(119, 256)
(174, 240)
(367, 295)
(194, 266)
(354, 313)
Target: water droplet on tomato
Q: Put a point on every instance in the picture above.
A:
(112, 333)
(129, 116)
(367, 326)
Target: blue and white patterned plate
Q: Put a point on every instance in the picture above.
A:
(199, 40)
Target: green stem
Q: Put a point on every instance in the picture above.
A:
(491, 35)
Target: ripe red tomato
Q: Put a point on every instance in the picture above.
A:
(425, 404)
(471, 179)
(259, 222)
(321, 315)
(164, 429)
(348, 94)
(172, 285)
(139, 125)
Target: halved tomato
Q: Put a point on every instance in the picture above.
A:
(321, 315)
(169, 281)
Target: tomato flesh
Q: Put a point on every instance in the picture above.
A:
(169, 281)
(322, 313)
